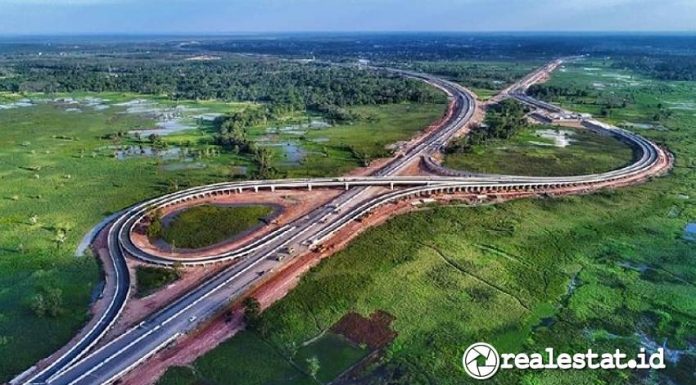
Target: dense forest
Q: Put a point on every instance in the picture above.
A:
(503, 121)
(282, 84)
(161, 67)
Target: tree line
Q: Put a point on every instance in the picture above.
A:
(667, 67)
(284, 85)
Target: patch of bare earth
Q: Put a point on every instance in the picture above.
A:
(375, 332)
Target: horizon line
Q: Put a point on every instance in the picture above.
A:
(341, 32)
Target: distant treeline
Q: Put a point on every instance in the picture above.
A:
(399, 47)
(672, 67)
(282, 84)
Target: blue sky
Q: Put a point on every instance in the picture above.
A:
(220, 16)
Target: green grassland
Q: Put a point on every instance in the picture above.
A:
(60, 175)
(260, 362)
(604, 271)
(207, 225)
(644, 97)
(256, 363)
(58, 178)
(529, 154)
(331, 151)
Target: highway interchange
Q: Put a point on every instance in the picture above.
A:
(81, 364)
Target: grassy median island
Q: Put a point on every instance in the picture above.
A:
(545, 151)
(206, 225)
(507, 143)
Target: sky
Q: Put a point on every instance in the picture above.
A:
(20, 17)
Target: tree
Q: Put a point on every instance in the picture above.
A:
(38, 305)
(263, 158)
(291, 347)
(54, 301)
(48, 301)
(178, 267)
(173, 185)
(361, 156)
(252, 312)
(155, 229)
(313, 366)
(59, 238)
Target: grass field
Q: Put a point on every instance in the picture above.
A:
(58, 178)
(207, 225)
(330, 151)
(606, 271)
(259, 361)
(527, 153)
(334, 355)
(63, 170)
